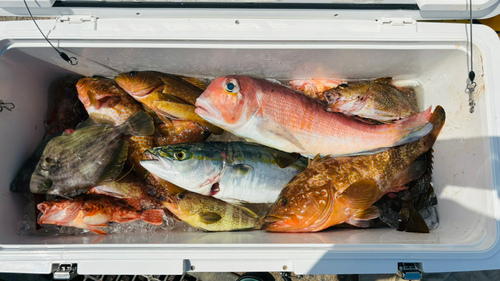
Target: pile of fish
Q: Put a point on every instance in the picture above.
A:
(318, 153)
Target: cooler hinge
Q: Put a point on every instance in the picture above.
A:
(410, 270)
(397, 21)
(64, 271)
(78, 22)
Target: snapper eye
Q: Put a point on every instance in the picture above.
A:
(232, 86)
(46, 184)
(179, 155)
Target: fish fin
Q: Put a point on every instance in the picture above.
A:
(212, 128)
(361, 194)
(241, 169)
(283, 159)
(141, 124)
(115, 165)
(194, 81)
(100, 118)
(249, 212)
(410, 173)
(97, 230)
(384, 80)
(234, 201)
(277, 131)
(153, 216)
(416, 223)
(367, 214)
(316, 159)
(84, 124)
(414, 127)
(209, 217)
(360, 223)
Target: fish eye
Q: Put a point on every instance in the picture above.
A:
(46, 184)
(179, 155)
(232, 86)
(181, 195)
(283, 202)
(343, 85)
(132, 73)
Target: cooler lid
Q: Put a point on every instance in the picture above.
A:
(341, 9)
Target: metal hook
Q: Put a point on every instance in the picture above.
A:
(73, 61)
(7, 105)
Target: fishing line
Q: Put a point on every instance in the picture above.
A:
(471, 85)
(70, 60)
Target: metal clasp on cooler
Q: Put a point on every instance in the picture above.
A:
(7, 105)
(409, 271)
(471, 87)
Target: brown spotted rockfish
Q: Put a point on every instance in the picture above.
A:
(337, 190)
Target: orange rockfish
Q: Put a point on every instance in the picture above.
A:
(94, 211)
(276, 116)
(314, 88)
(336, 190)
(106, 102)
(169, 96)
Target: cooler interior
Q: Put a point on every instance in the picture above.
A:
(463, 153)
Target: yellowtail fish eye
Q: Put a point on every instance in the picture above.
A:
(46, 184)
(179, 155)
(343, 85)
(232, 86)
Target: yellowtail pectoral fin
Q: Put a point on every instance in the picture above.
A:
(283, 159)
(241, 169)
(274, 130)
(209, 217)
(361, 194)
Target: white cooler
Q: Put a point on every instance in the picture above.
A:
(283, 40)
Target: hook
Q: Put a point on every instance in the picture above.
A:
(7, 105)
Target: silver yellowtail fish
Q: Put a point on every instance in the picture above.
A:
(88, 156)
(233, 171)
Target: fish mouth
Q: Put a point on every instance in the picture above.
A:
(156, 165)
(332, 96)
(204, 109)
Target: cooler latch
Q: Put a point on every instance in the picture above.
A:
(64, 271)
(410, 270)
(397, 21)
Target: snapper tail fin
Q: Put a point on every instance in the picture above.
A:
(413, 128)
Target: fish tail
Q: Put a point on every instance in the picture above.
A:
(141, 124)
(438, 119)
(413, 128)
(153, 216)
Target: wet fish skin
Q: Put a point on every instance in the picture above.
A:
(378, 100)
(211, 214)
(336, 190)
(86, 157)
(21, 182)
(94, 211)
(107, 103)
(169, 96)
(278, 117)
(179, 131)
(233, 171)
(66, 111)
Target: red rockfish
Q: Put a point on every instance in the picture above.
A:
(276, 116)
